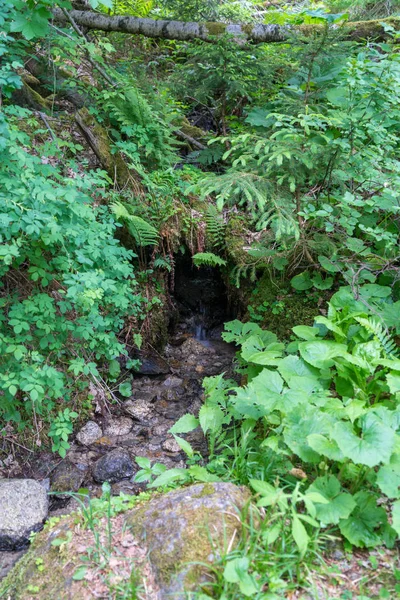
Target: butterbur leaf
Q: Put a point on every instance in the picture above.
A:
(320, 353)
(393, 380)
(185, 424)
(305, 332)
(337, 505)
(361, 528)
(302, 281)
(388, 478)
(375, 445)
(325, 447)
(396, 517)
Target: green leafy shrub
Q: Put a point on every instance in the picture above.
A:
(67, 283)
(327, 405)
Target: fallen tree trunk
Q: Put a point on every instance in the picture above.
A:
(180, 30)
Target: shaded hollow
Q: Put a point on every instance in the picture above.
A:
(202, 299)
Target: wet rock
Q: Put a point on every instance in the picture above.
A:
(67, 477)
(118, 426)
(140, 408)
(24, 507)
(89, 434)
(153, 365)
(113, 466)
(177, 528)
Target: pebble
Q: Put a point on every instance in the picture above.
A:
(89, 434)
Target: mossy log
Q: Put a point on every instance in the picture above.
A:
(180, 30)
(97, 138)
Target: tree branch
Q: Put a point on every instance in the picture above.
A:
(180, 30)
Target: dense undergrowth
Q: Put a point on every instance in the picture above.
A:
(277, 164)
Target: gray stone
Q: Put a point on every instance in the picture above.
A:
(172, 382)
(113, 466)
(89, 434)
(67, 477)
(140, 409)
(171, 445)
(118, 426)
(24, 506)
(184, 528)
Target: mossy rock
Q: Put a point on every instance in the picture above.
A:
(186, 529)
(175, 531)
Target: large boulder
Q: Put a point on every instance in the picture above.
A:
(175, 531)
(185, 528)
(23, 509)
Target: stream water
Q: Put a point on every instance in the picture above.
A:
(139, 425)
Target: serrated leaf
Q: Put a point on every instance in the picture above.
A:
(184, 445)
(211, 418)
(185, 424)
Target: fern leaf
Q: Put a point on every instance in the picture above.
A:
(208, 259)
(381, 334)
(143, 233)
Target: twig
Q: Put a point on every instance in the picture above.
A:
(94, 64)
(17, 444)
(45, 121)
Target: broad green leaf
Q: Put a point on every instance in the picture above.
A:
(185, 424)
(260, 397)
(373, 447)
(393, 380)
(302, 281)
(143, 462)
(388, 477)
(361, 528)
(325, 447)
(396, 516)
(211, 418)
(305, 332)
(321, 353)
(236, 571)
(338, 505)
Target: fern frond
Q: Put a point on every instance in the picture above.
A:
(215, 227)
(161, 263)
(380, 332)
(208, 259)
(143, 233)
(245, 272)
